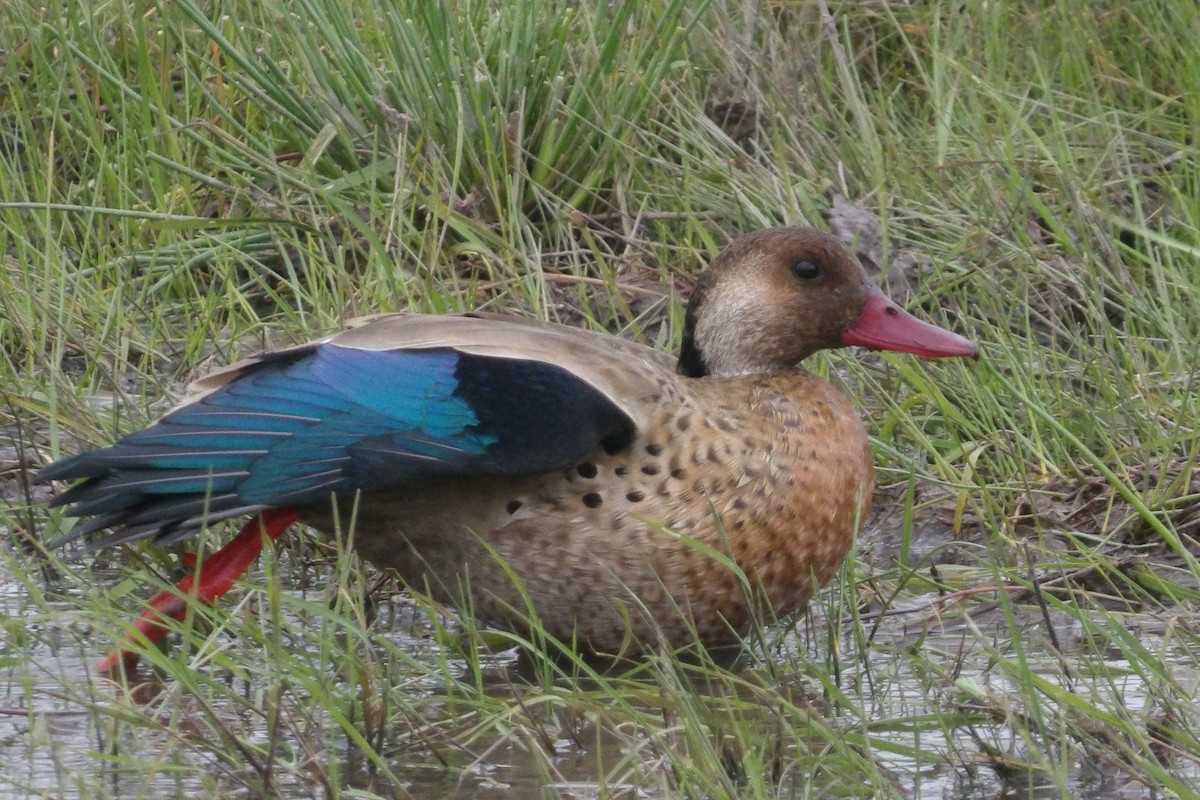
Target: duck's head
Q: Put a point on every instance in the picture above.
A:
(774, 297)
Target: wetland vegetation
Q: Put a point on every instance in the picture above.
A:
(187, 183)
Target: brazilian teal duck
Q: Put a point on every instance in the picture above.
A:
(614, 484)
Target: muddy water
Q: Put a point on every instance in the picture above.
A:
(58, 738)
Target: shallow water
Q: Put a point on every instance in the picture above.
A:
(965, 772)
(58, 737)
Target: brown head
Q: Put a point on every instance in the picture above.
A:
(774, 297)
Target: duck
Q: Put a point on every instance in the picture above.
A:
(530, 470)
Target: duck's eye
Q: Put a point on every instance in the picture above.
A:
(807, 270)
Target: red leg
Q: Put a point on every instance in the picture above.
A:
(215, 577)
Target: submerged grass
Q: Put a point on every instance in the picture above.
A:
(184, 184)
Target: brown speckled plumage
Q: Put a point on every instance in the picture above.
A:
(744, 458)
(607, 540)
(635, 514)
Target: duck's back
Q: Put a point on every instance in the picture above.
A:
(621, 370)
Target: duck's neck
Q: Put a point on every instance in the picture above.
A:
(714, 344)
(691, 360)
(691, 363)
(732, 331)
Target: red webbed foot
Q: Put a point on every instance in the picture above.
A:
(213, 578)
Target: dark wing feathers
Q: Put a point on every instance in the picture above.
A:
(292, 429)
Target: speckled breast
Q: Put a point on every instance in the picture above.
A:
(740, 497)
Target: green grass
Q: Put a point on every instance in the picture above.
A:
(186, 184)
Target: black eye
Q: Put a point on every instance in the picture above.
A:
(807, 270)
